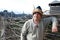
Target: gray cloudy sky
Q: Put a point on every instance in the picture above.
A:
(24, 5)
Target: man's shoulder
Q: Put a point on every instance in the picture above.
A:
(49, 18)
(28, 21)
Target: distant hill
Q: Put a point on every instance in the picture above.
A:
(7, 14)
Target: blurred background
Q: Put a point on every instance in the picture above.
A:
(14, 13)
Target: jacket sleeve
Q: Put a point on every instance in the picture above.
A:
(54, 22)
(24, 31)
(51, 19)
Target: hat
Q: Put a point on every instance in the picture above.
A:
(38, 9)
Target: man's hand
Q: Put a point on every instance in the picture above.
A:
(54, 29)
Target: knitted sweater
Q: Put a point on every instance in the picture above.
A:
(30, 32)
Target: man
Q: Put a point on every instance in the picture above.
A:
(33, 28)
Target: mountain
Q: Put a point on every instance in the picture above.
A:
(7, 14)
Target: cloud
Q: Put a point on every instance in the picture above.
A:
(24, 5)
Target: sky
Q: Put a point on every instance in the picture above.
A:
(20, 6)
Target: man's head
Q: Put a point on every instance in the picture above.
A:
(37, 13)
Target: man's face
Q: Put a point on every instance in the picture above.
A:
(37, 16)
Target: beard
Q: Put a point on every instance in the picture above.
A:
(37, 19)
